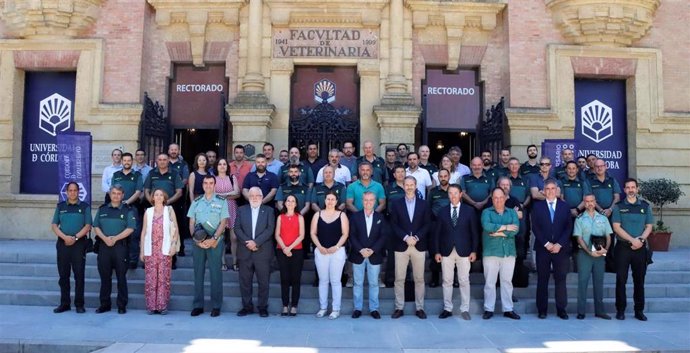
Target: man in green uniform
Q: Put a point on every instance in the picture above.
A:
(491, 170)
(567, 155)
(71, 224)
(632, 222)
(306, 176)
(210, 211)
(531, 166)
(114, 222)
(295, 187)
(133, 184)
(318, 193)
(607, 191)
(378, 166)
(573, 190)
(438, 199)
(476, 186)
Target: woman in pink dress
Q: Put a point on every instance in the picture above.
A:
(228, 188)
(159, 242)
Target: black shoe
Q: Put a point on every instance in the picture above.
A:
(433, 284)
(215, 312)
(316, 283)
(102, 309)
(445, 314)
(132, 265)
(389, 284)
(197, 311)
(397, 314)
(375, 314)
(542, 316)
(640, 316)
(80, 310)
(245, 312)
(356, 314)
(174, 266)
(62, 308)
(181, 253)
(487, 315)
(121, 310)
(420, 314)
(511, 315)
(263, 312)
(580, 316)
(603, 316)
(620, 315)
(456, 284)
(515, 300)
(563, 315)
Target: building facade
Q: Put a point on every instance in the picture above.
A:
(248, 71)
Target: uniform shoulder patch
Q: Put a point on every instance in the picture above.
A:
(219, 198)
(199, 197)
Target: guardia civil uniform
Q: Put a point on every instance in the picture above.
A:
(131, 183)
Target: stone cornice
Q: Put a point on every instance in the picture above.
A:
(333, 13)
(194, 18)
(458, 19)
(600, 22)
(49, 18)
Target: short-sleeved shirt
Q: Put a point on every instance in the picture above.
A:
(72, 217)
(169, 182)
(350, 163)
(423, 179)
(574, 190)
(478, 189)
(431, 167)
(210, 211)
(605, 190)
(113, 220)
(273, 166)
(492, 174)
(181, 168)
(318, 194)
(240, 171)
(379, 172)
(306, 177)
(316, 165)
(586, 226)
(131, 182)
(438, 198)
(527, 169)
(341, 174)
(519, 188)
(633, 217)
(537, 181)
(300, 191)
(356, 192)
(491, 222)
(265, 182)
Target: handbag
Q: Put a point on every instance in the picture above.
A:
(174, 233)
(598, 242)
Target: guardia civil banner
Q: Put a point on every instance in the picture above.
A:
(74, 163)
(554, 148)
(601, 125)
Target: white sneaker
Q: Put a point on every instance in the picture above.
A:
(350, 283)
(321, 313)
(381, 284)
(334, 315)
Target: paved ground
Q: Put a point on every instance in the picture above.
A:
(34, 328)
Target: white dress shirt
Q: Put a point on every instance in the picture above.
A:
(369, 219)
(108, 176)
(255, 219)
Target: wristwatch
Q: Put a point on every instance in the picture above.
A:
(215, 237)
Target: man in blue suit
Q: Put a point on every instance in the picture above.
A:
(552, 227)
(411, 218)
(368, 231)
(456, 242)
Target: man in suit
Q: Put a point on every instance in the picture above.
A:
(367, 241)
(411, 218)
(552, 227)
(254, 230)
(456, 242)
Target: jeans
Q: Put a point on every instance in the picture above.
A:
(358, 289)
(330, 270)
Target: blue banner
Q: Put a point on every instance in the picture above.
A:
(74, 164)
(601, 123)
(48, 112)
(554, 148)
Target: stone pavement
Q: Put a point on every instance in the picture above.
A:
(37, 329)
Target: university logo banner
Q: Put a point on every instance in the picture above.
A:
(601, 125)
(554, 148)
(74, 164)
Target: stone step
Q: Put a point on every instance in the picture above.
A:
(231, 288)
(311, 305)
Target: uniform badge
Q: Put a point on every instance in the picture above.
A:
(642, 210)
(79, 210)
(122, 216)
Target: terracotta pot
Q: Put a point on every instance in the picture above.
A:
(659, 241)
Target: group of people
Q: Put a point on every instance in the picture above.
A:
(360, 216)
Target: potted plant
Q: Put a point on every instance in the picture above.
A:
(660, 192)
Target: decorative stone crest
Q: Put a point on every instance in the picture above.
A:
(49, 18)
(599, 22)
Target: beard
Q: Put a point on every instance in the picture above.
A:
(294, 179)
(487, 163)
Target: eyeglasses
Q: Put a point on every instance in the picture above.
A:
(544, 164)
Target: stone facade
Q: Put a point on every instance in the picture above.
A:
(528, 51)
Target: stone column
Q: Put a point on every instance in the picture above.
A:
(397, 115)
(251, 115)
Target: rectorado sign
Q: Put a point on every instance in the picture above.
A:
(326, 43)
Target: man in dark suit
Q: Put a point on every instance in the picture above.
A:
(367, 240)
(552, 227)
(254, 230)
(411, 218)
(456, 242)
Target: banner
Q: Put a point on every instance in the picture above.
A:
(601, 123)
(48, 112)
(553, 149)
(74, 164)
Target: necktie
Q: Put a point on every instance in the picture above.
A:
(454, 216)
(552, 211)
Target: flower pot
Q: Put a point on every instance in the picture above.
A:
(659, 241)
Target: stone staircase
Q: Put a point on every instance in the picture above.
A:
(28, 276)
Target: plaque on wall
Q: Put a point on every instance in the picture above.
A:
(325, 43)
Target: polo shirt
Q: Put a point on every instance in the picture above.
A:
(272, 166)
(181, 168)
(316, 165)
(493, 174)
(537, 181)
(478, 189)
(574, 190)
(491, 222)
(350, 163)
(431, 167)
(72, 217)
(438, 199)
(266, 182)
(318, 194)
(527, 169)
(300, 191)
(209, 210)
(379, 172)
(131, 182)
(113, 220)
(169, 182)
(356, 190)
(519, 188)
(306, 177)
(604, 190)
(633, 217)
